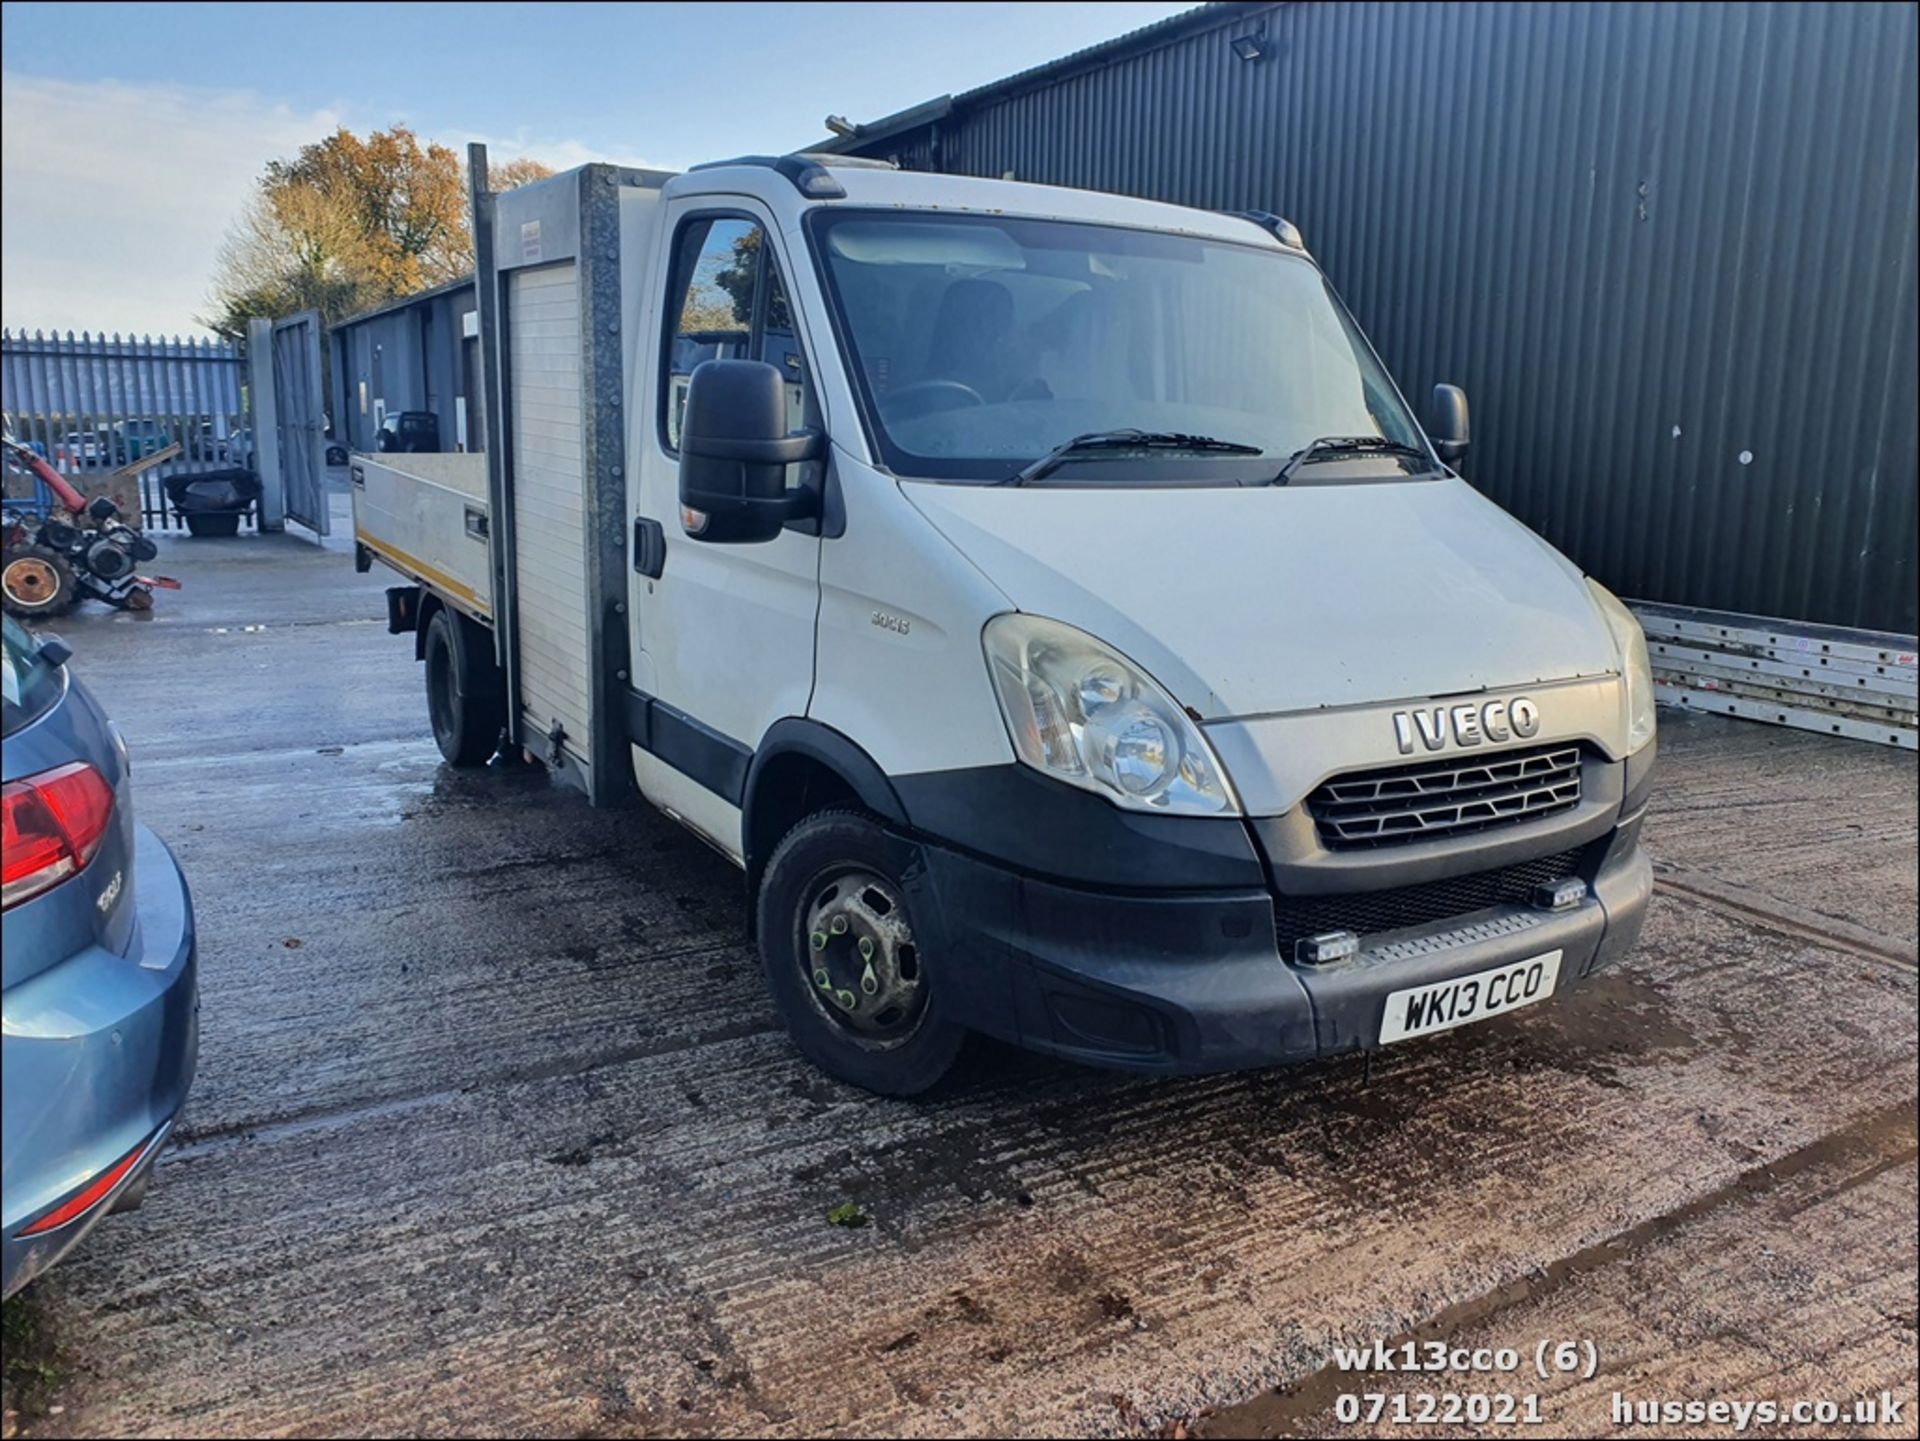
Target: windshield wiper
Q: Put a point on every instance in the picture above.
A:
(1339, 447)
(1098, 440)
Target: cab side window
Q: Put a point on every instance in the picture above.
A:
(730, 304)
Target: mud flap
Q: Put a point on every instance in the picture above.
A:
(403, 609)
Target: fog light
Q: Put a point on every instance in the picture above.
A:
(1560, 895)
(1326, 947)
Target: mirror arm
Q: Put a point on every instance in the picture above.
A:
(807, 503)
(800, 502)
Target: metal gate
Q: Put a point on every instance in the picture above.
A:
(299, 418)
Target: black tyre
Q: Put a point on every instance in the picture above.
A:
(36, 583)
(462, 702)
(860, 998)
(213, 525)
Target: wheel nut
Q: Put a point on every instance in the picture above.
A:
(847, 1000)
(866, 949)
(838, 925)
(823, 980)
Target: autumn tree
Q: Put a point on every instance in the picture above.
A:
(720, 293)
(348, 224)
(288, 252)
(512, 174)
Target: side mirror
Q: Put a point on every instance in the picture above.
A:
(1447, 428)
(734, 452)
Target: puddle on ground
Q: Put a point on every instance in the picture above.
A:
(1614, 1021)
(1349, 1122)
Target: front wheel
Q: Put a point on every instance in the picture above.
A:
(858, 992)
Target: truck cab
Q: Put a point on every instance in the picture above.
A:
(1048, 600)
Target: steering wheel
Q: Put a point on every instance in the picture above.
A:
(927, 397)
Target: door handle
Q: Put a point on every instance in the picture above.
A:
(649, 547)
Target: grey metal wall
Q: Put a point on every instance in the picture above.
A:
(1669, 250)
(407, 357)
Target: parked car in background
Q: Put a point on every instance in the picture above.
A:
(132, 440)
(79, 449)
(205, 442)
(100, 1004)
(413, 431)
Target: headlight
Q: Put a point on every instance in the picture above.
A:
(1634, 664)
(1085, 714)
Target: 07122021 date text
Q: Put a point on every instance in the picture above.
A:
(1437, 1408)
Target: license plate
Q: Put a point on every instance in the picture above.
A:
(1424, 1010)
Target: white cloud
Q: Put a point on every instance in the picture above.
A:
(558, 154)
(118, 195)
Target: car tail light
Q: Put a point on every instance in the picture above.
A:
(53, 822)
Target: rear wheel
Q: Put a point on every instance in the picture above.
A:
(463, 706)
(213, 525)
(36, 583)
(844, 962)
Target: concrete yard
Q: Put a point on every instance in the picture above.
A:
(496, 1131)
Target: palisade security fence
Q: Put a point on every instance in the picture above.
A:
(93, 403)
(1669, 250)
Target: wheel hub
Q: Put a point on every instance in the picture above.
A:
(31, 581)
(862, 966)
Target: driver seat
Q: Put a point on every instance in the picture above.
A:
(972, 338)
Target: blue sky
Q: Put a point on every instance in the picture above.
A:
(132, 133)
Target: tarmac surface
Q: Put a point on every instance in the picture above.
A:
(495, 1129)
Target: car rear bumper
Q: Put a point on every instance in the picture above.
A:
(1195, 981)
(98, 1054)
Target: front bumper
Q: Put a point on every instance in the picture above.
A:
(98, 1055)
(1194, 981)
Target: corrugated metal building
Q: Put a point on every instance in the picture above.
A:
(417, 353)
(1668, 249)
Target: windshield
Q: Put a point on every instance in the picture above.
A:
(983, 342)
(28, 685)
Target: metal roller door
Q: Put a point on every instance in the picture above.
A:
(550, 561)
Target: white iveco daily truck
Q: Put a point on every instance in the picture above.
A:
(1045, 597)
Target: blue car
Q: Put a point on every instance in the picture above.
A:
(100, 1006)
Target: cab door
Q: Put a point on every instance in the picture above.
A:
(724, 633)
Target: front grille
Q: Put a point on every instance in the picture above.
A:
(1444, 798)
(1369, 913)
